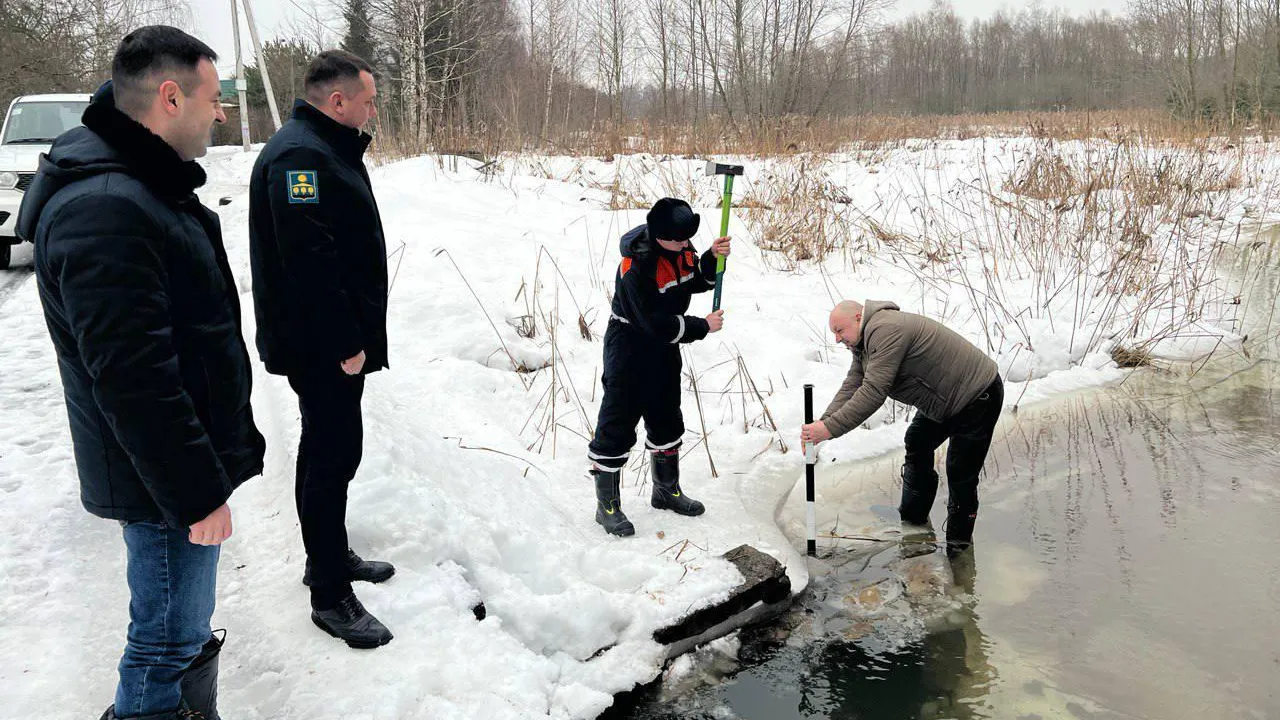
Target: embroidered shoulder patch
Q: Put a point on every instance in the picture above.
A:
(304, 187)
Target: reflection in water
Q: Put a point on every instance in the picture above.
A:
(944, 672)
(886, 633)
(1150, 505)
(1123, 566)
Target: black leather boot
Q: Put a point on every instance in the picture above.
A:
(371, 571)
(353, 624)
(200, 683)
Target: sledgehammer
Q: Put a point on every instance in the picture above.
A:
(728, 171)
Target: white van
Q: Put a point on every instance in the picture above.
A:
(30, 126)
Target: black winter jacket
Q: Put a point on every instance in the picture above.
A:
(145, 320)
(653, 289)
(317, 249)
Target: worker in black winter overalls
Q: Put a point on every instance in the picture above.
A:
(659, 273)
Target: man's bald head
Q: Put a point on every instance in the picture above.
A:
(848, 308)
(846, 322)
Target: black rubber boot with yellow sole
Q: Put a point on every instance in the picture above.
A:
(667, 494)
(609, 503)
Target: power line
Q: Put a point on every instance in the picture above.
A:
(315, 16)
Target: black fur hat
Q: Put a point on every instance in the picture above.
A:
(672, 219)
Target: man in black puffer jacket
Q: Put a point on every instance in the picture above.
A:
(658, 275)
(145, 320)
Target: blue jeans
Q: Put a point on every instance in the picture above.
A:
(172, 585)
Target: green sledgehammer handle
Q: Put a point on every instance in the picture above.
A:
(724, 230)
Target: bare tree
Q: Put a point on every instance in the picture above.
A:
(609, 22)
(51, 45)
(661, 49)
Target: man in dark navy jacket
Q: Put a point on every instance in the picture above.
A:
(658, 275)
(145, 320)
(320, 296)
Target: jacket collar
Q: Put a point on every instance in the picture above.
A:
(143, 154)
(349, 142)
(870, 308)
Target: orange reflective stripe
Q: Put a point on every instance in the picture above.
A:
(667, 275)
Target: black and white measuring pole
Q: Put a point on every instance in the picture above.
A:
(810, 460)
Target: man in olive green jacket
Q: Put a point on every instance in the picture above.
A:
(955, 388)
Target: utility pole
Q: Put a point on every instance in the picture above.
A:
(262, 63)
(242, 87)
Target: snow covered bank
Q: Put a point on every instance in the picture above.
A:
(473, 480)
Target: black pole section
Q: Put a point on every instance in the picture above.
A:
(810, 459)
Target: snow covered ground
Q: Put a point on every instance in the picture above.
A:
(474, 474)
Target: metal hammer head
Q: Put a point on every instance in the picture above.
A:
(715, 168)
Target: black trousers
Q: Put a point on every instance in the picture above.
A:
(970, 433)
(641, 380)
(328, 456)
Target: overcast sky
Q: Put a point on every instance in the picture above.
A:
(275, 17)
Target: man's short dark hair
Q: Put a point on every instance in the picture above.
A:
(150, 55)
(331, 68)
